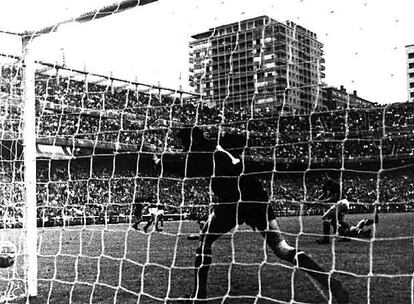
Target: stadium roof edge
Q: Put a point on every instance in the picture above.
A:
(127, 82)
(202, 35)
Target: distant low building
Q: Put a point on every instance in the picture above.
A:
(334, 98)
(410, 71)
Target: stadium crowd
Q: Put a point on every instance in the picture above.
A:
(126, 116)
(106, 196)
(80, 110)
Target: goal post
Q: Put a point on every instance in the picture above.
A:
(29, 132)
(29, 146)
(92, 15)
(97, 155)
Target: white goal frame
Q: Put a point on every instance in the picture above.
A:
(29, 154)
(29, 129)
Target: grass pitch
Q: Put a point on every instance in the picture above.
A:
(115, 264)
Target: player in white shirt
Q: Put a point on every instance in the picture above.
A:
(153, 212)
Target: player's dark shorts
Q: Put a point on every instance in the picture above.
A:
(253, 213)
(253, 209)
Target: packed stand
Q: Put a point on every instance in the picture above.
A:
(68, 107)
(76, 192)
(125, 115)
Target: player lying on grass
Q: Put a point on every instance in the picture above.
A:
(240, 199)
(335, 215)
(359, 230)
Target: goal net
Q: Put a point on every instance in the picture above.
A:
(120, 207)
(13, 249)
(96, 140)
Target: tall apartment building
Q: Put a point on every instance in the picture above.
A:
(258, 60)
(410, 71)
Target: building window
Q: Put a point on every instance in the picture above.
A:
(258, 22)
(412, 94)
(412, 85)
(411, 55)
(411, 65)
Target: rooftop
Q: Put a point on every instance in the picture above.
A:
(210, 32)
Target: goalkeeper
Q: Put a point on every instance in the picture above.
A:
(240, 199)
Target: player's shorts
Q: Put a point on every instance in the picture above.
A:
(253, 213)
(256, 214)
(254, 209)
(160, 212)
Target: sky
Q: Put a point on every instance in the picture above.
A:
(364, 40)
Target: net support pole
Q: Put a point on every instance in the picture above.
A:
(29, 150)
(29, 131)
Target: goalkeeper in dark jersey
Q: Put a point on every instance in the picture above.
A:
(240, 199)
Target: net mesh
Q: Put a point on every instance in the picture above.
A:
(13, 271)
(99, 140)
(103, 161)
